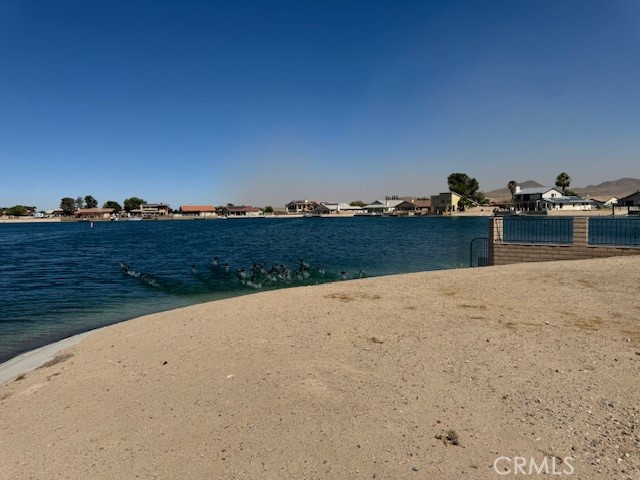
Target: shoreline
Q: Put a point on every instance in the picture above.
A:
(359, 379)
(30, 360)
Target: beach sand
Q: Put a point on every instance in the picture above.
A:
(423, 376)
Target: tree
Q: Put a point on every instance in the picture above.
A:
(111, 204)
(512, 186)
(268, 209)
(68, 206)
(19, 211)
(79, 203)
(90, 202)
(468, 188)
(563, 181)
(133, 203)
(357, 203)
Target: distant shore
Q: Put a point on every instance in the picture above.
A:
(427, 375)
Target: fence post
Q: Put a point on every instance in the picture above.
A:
(494, 236)
(580, 231)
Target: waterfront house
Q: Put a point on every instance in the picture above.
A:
(201, 211)
(154, 210)
(386, 207)
(632, 200)
(94, 213)
(604, 201)
(241, 211)
(423, 206)
(535, 198)
(328, 208)
(543, 199)
(300, 206)
(445, 202)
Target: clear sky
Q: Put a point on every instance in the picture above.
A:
(262, 102)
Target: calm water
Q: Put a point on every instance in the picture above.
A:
(57, 280)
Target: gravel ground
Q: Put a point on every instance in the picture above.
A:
(437, 375)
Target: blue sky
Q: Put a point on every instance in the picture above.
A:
(261, 102)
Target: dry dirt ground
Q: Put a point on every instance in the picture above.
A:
(424, 376)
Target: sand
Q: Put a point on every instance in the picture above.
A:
(424, 376)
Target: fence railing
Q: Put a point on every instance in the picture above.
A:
(537, 230)
(614, 231)
(479, 252)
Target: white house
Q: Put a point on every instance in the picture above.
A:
(332, 207)
(540, 199)
(382, 207)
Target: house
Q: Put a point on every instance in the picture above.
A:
(300, 206)
(386, 207)
(154, 210)
(406, 208)
(604, 201)
(327, 208)
(94, 213)
(632, 200)
(198, 210)
(569, 203)
(423, 206)
(241, 211)
(445, 202)
(535, 198)
(541, 199)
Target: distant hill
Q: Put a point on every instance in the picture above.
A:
(611, 188)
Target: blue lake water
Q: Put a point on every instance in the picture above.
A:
(59, 279)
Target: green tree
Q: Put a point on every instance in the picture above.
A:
(357, 203)
(111, 204)
(79, 203)
(90, 202)
(133, 203)
(68, 206)
(19, 211)
(563, 181)
(468, 188)
(268, 209)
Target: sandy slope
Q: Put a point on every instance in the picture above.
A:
(350, 380)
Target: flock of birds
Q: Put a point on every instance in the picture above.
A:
(256, 276)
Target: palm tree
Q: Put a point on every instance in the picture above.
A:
(563, 181)
(512, 187)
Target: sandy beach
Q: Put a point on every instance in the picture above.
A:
(435, 375)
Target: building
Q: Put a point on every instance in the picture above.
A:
(632, 200)
(94, 213)
(201, 211)
(241, 211)
(154, 210)
(386, 207)
(327, 208)
(423, 206)
(535, 198)
(445, 202)
(300, 206)
(541, 199)
(604, 201)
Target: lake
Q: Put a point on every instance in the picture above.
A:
(59, 279)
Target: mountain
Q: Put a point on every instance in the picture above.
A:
(612, 188)
(505, 194)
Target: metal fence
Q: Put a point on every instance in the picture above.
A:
(614, 231)
(537, 230)
(479, 252)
